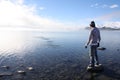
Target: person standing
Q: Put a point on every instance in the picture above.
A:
(94, 40)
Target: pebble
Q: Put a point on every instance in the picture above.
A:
(74, 66)
(30, 68)
(101, 48)
(7, 67)
(118, 49)
(6, 74)
(21, 72)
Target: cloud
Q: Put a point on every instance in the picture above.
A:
(18, 1)
(109, 20)
(107, 17)
(42, 8)
(97, 5)
(15, 14)
(114, 6)
(112, 24)
(104, 6)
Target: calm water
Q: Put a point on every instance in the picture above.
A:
(57, 55)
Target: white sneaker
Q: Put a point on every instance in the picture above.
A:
(99, 65)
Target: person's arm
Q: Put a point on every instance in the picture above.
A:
(99, 37)
(90, 37)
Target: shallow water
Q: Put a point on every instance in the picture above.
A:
(57, 55)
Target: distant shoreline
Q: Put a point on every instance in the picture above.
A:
(104, 28)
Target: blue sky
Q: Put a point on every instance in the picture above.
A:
(75, 10)
(60, 14)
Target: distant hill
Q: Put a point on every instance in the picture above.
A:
(105, 28)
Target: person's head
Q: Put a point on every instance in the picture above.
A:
(92, 24)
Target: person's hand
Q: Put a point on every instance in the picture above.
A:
(98, 44)
(85, 46)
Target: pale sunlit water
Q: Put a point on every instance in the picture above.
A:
(57, 55)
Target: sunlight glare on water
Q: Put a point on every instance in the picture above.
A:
(10, 40)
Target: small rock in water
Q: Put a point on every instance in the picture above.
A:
(7, 67)
(101, 48)
(74, 66)
(118, 49)
(6, 74)
(30, 68)
(21, 65)
(21, 72)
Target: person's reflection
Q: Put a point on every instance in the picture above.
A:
(92, 77)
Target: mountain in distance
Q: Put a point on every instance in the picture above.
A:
(106, 28)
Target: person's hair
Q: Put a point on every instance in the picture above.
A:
(92, 24)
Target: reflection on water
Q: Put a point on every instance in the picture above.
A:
(57, 56)
(10, 40)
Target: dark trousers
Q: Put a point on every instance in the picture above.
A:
(93, 55)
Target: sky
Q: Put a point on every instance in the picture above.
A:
(58, 14)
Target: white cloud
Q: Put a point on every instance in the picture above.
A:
(107, 17)
(96, 5)
(108, 20)
(14, 13)
(104, 6)
(114, 6)
(112, 24)
(42, 8)
(113, 15)
(18, 1)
